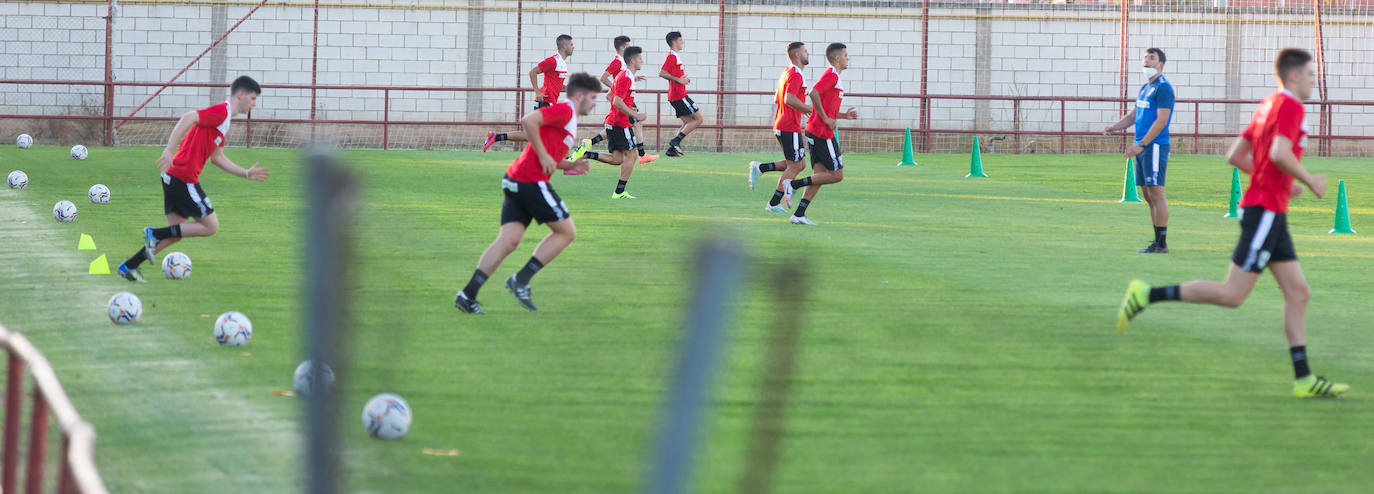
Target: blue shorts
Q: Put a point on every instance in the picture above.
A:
(1150, 165)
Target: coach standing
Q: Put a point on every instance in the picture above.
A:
(1153, 109)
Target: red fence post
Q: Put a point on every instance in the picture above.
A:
(386, 117)
(14, 391)
(1124, 29)
(1062, 129)
(1197, 124)
(1016, 126)
(924, 116)
(109, 73)
(65, 482)
(38, 444)
(248, 134)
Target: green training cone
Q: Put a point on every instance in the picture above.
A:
(975, 165)
(908, 157)
(85, 243)
(1342, 211)
(1233, 210)
(1128, 192)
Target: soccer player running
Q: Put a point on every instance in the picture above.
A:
(555, 70)
(791, 104)
(683, 105)
(1270, 151)
(202, 134)
(608, 79)
(529, 195)
(620, 135)
(1154, 108)
(826, 96)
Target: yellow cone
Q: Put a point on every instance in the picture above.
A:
(100, 265)
(86, 243)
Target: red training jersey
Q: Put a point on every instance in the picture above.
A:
(786, 118)
(624, 88)
(560, 125)
(671, 64)
(617, 64)
(555, 70)
(831, 90)
(1280, 114)
(204, 138)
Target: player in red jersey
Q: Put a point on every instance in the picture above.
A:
(826, 97)
(787, 127)
(202, 135)
(683, 106)
(620, 134)
(555, 70)
(1270, 150)
(608, 79)
(530, 197)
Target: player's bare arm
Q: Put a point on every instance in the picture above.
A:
(1282, 154)
(1150, 136)
(796, 103)
(531, 124)
(253, 173)
(534, 83)
(820, 109)
(1241, 155)
(1123, 124)
(178, 133)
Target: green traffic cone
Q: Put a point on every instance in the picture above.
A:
(1342, 212)
(1233, 211)
(908, 157)
(975, 166)
(1128, 189)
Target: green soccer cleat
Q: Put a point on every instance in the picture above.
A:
(1318, 387)
(581, 150)
(1137, 298)
(622, 195)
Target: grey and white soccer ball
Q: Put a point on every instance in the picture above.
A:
(310, 378)
(24, 141)
(233, 329)
(386, 416)
(18, 179)
(64, 211)
(79, 152)
(124, 308)
(177, 266)
(99, 194)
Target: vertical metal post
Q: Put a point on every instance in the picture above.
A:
(1125, 9)
(14, 405)
(519, 71)
(720, 76)
(248, 133)
(314, 67)
(1016, 126)
(1062, 126)
(767, 435)
(108, 123)
(38, 443)
(64, 470)
(1197, 124)
(924, 117)
(386, 116)
(1324, 117)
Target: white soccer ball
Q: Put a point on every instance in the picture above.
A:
(99, 194)
(233, 329)
(125, 308)
(310, 378)
(18, 179)
(64, 211)
(79, 152)
(386, 416)
(177, 266)
(24, 141)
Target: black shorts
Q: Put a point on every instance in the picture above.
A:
(186, 200)
(634, 120)
(792, 147)
(825, 152)
(541, 104)
(1264, 239)
(535, 201)
(620, 138)
(684, 106)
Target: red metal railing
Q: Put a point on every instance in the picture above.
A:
(925, 131)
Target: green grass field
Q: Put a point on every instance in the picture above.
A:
(958, 337)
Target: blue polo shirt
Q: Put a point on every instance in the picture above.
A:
(1153, 96)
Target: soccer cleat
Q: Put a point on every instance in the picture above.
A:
(581, 150)
(787, 192)
(753, 173)
(1137, 298)
(648, 158)
(774, 209)
(465, 304)
(149, 245)
(131, 274)
(521, 292)
(1154, 248)
(675, 151)
(802, 220)
(1318, 387)
(491, 139)
(622, 195)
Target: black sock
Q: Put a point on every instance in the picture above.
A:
(597, 139)
(767, 167)
(591, 155)
(777, 198)
(528, 271)
(1160, 233)
(678, 140)
(801, 182)
(620, 186)
(1299, 354)
(1164, 293)
(136, 261)
(801, 207)
(173, 231)
(640, 148)
(478, 278)
(500, 137)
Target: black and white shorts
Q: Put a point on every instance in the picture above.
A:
(183, 199)
(634, 120)
(792, 147)
(825, 152)
(684, 106)
(541, 104)
(1264, 239)
(535, 201)
(620, 138)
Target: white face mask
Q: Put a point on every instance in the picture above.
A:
(1149, 72)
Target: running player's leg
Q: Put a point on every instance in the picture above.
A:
(1229, 293)
(562, 234)
(172, 233)
(506, 241)
(1296, 294)
(514, 222)
(628, 159)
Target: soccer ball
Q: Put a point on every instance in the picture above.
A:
(308, 378)
(79, 152)
(233, 329)
(24, 141)
(99, 194)
(64, 211)
(177, 266)
(386, 416)
(18, 179)
(125, 308)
